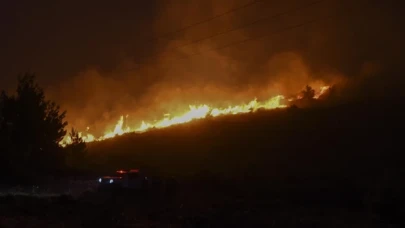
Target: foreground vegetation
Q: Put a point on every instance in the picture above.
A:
(31, 128)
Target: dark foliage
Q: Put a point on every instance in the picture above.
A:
(31, 129)
(308, 93)
(76, 152)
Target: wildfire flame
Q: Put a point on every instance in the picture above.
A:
(321, 91)
(194, 113)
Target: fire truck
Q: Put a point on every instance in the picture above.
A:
(124, 179)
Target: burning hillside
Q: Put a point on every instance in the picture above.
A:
(193, 113)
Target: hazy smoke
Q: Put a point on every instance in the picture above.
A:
(356, 44)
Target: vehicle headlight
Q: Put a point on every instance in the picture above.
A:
(99, 180)
(111, 181)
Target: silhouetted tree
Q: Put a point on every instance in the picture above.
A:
(306, 98)
(1, 112)
(2, 122)
(76, 151)
(35, 127)
(3, 140)
(308, 93)
(76, 138)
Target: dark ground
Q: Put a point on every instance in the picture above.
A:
(196, 206)
(339, 166)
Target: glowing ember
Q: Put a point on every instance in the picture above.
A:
(194, 113)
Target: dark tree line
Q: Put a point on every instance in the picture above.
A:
(31, 128)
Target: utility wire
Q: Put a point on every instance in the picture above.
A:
(254, 22)
(324, 18)
(157, 54)
(207, 20)
(273, 33)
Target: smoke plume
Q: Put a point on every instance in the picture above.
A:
(354, 45)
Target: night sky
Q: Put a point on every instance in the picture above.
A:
(93, 47)
(60, 39)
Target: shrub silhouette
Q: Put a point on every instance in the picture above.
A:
(76, 151)
(31, 129)
(308, 93)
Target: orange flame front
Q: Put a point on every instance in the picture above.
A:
(194, 113)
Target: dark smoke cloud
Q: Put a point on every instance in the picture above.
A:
(356, 44)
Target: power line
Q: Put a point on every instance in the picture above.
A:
(269, 34)
(263, 35)
(156, 54)
(207, 20)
